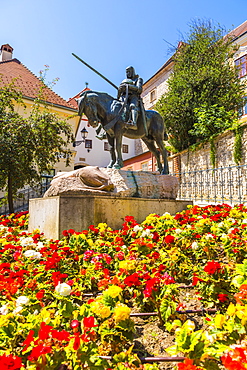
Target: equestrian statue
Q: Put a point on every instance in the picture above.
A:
(124, 116)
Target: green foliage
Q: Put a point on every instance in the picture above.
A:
(211, 120)
(237, 149)
(212, 152)
(28, 145)
(204, 90)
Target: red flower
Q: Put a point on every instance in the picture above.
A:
(28, 340)
(44, 331)
(74, 324)
(169, 239)
(88, 322)
(222, 297)
(76, 344)
(187, 365)
(10, 362)
(60, 335)
(38, 351)
(40, 294)
(132, 280)
(212, 267)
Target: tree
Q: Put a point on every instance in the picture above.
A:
(28, 146)
(204, 84)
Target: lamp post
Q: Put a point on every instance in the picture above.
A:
(84, 134)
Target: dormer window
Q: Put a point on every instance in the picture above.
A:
(241, 64)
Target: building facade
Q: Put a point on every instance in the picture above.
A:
(156, 86)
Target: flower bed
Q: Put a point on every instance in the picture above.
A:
(48, 320)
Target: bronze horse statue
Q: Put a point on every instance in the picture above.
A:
(102, 108)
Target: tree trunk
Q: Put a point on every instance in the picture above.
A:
(10, 194)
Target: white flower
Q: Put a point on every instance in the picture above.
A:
(190, 325)
(17, 309)
(209, 236)
(178, 231)
(137, 228)
(4, 310)
(166, 214)
(146, 232)
(32, 254)
(231, 220)
(194, 245)
(26, 241)
(244, 221)
(210, 338)
(223, 236)
(22, 300)
(39, 245)
(63, 289)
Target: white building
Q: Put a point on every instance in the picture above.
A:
(92, 151)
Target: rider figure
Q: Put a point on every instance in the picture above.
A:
(134, 83)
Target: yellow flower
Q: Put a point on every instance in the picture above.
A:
(99, 309)
(104, 312)
(113, 291)
(234, 213)
(231, 309)
(127, 265)
(90, 242)
(219, 321)
(121, 312)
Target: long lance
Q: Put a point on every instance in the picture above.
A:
(111, 83)
(106, 79)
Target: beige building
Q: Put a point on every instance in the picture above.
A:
(11, 68)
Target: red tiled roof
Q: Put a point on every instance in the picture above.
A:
(240, 30)
(28, 83)
(73, 102)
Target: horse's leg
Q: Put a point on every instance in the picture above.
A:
(150, 144)
(118, 136)
(111, 142)
(159, 141)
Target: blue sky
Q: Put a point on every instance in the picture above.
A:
(108, 34)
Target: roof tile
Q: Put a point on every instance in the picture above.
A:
(28, 83)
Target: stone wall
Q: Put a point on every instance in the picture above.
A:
(199, 181)
(199, 159)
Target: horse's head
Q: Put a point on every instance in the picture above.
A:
(86, 104)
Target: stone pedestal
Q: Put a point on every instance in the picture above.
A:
(52, 215)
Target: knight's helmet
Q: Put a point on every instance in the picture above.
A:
(132, 69)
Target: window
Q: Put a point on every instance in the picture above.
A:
(106, 146)
(243, 110)
(125, 148)
(241, 65)
(153, 95)
(144, 166)
(88, 144)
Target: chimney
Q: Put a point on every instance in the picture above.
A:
(6, 52)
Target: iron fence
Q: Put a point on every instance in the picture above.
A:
(21, 201)
(215, 185)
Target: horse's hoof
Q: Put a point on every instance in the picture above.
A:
(164, 172)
